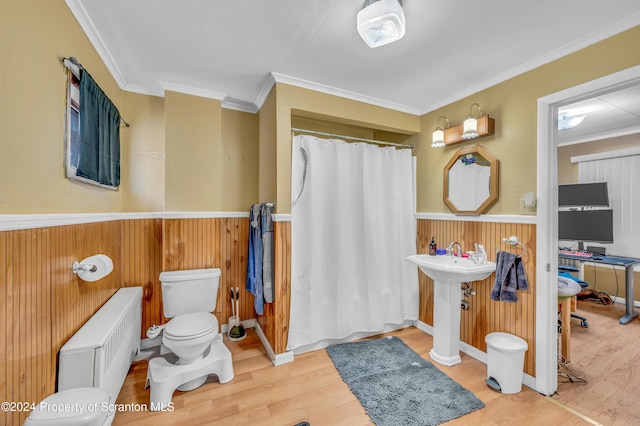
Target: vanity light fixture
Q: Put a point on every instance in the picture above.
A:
(437, 140)
(473, 127)
(470, 129)
(381, 22)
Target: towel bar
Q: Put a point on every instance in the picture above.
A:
(514, 241)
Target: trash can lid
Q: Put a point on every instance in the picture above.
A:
(506, 342)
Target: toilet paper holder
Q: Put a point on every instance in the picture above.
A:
(77, 266)
(93, 268)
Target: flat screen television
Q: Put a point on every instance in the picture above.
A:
(586, 225)
(593, 194)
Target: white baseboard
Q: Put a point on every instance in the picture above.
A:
(276, 359)
(476, 353)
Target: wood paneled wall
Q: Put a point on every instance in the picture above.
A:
(142, 261)
(485, 315)
(211, 243)
(275, 321)
(44, 303)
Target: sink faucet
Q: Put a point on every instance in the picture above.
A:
(450, 249)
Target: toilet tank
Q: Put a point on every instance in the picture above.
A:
(189, 291)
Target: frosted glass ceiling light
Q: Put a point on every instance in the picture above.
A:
(470, 127)
(437, 140)
(569, 121)
(381, 22)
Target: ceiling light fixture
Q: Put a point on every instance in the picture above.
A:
(437, 140)
(569, 121)
(381, 22)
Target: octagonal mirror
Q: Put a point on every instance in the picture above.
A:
(471, 181)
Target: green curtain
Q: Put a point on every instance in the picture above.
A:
(99, 147)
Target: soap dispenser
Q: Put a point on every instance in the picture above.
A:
(432, 247)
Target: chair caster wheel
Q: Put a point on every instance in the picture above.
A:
(584, 324)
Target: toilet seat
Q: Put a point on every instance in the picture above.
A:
(191, 326)
(78, 406)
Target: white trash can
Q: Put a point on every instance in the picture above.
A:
(505, 363)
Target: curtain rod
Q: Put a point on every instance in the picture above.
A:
(353, 138)
(74, 66)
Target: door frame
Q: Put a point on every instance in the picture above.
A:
(547, 217)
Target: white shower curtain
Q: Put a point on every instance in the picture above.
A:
(352, 227)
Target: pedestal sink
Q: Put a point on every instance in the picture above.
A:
(448, 273)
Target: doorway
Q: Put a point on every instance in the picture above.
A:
(547, 226)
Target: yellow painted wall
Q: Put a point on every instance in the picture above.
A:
(198, 159)
(568, 173)
(193, 151)
(299, 102)
(34, 35)
(267, 187)
(513, 104)
(201, 144)
(143, 154)
(239, 173)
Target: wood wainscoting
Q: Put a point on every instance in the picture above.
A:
(211, 243)
(44, 303)
(275, 321)
(485, 315)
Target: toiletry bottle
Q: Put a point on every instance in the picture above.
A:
(432, 247)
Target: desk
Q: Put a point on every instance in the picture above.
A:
(628, 263)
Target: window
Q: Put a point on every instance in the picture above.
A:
(92, 137)
(73, 126)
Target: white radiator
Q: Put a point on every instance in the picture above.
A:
(101, 352)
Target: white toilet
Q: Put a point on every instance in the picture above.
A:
(188, 298)
(73, 407)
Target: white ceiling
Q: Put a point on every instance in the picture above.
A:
(234, 50)
(611, 114)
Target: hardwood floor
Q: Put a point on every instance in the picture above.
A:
(607, 356)
(310, 389)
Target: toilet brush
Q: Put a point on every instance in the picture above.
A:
(232, 319)
(237, 332)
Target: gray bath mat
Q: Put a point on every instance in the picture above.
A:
(397, 387)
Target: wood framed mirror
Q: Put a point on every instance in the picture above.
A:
(471, 181)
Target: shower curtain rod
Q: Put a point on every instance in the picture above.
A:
(353, 138)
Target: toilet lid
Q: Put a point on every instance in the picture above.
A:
(189, 326)
(79, 406)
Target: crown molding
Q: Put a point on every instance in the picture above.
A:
(595, 37)
(94, 37)
(238, 105)
(329, 90)
(191, 90)
(266, 89)
(80, 13)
